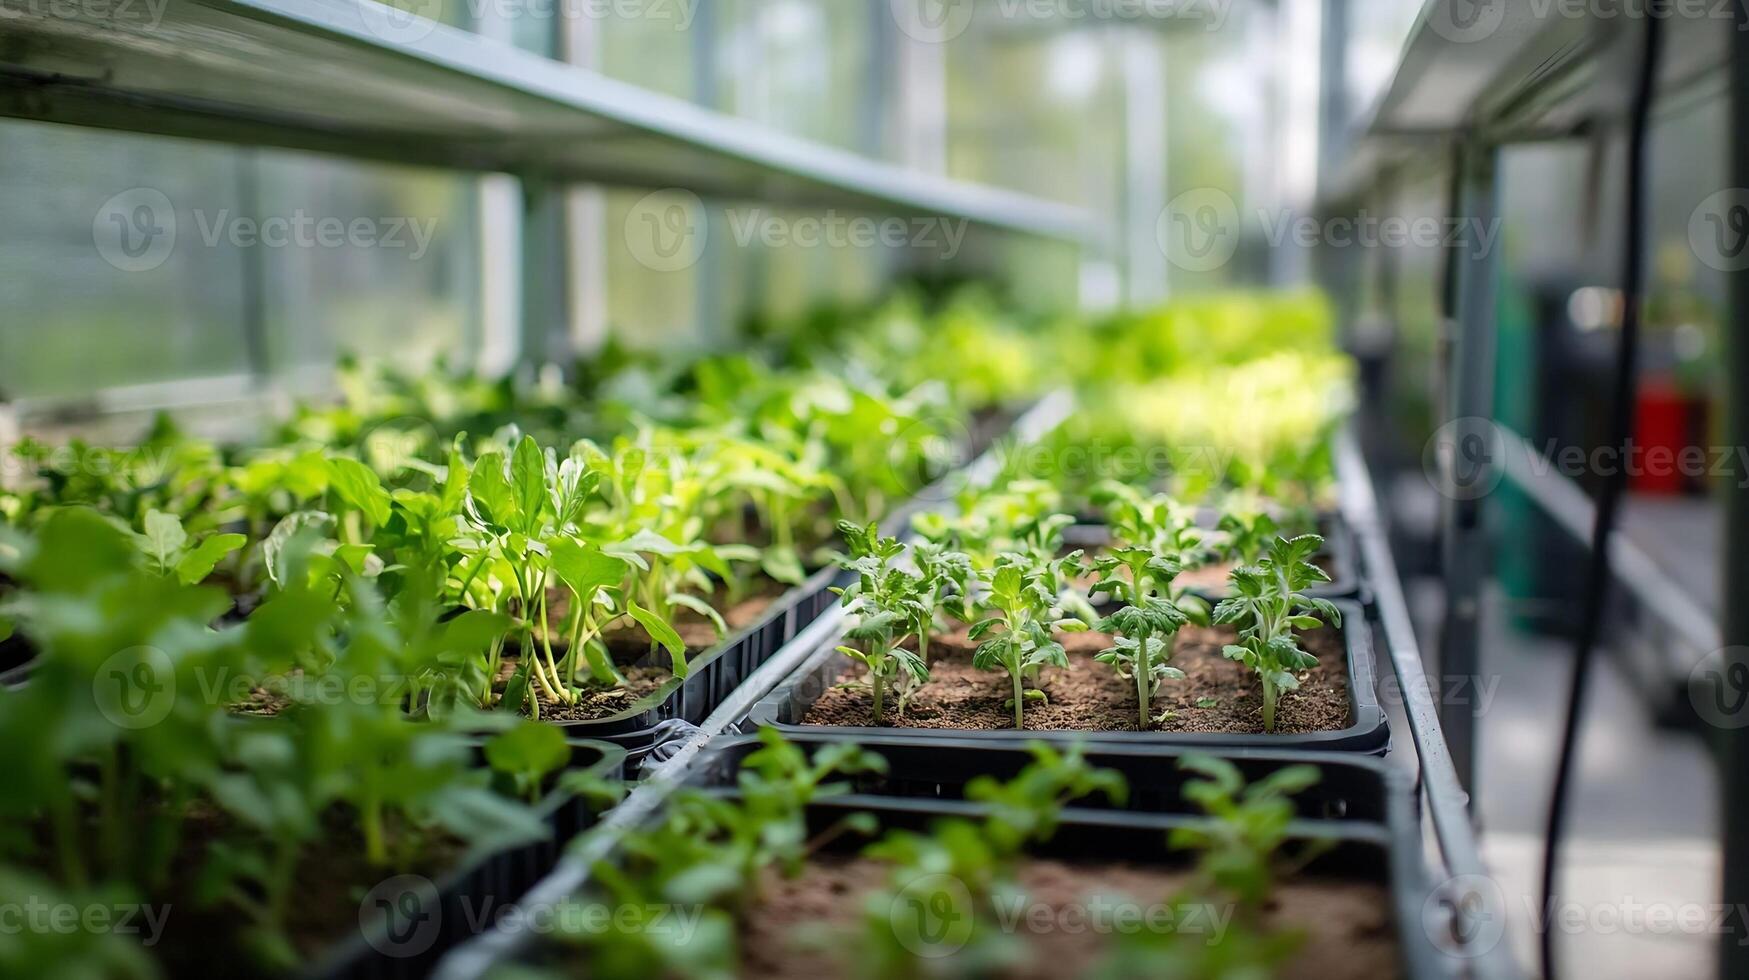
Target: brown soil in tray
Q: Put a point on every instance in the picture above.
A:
(805, 927)
(1216, 694)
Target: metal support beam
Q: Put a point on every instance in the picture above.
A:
(1146, 276)
(1734, 747)
(545, 299)
(1469, 397)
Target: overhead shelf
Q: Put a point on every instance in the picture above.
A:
(353, 77)
(1500, 72)
(1521, 70)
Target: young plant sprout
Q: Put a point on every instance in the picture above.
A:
(713, 852)
(1241, 847)
(1241, 852)
(1267, 605)
(1145, 625)
(944, 587)
(890, 603)
(1017, 637)
(954, 872)
(1162, 525)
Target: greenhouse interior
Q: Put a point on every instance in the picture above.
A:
(694, 489)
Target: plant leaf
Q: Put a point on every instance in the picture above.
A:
(662, 633)
(358, 485)
(198, 564)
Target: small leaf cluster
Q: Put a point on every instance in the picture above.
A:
(980, 857)
(712, 851)
(1019, 607)
(892, 601)
(1267, 605)
(1243, 848)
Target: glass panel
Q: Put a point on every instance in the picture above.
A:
(801, 66)
(108, 275)
(368, 260)
(654, 52)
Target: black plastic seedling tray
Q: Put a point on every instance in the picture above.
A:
(463, 900)
(1368, 732)
(1339, 548)
(1353, 787)
(1385, 851)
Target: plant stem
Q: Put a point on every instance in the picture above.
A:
(494, 659)
(109, 819)
(879, 684)
(1019, 700)
(1144, 675)
(67, 844)
(371, 820)
(1269, 696)
(546, 639)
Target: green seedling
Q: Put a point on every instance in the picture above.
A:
(1018, 634)
(1146, 623)
(1267, 605)
(889, 603)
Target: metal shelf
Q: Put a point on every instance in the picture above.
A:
(1527, 71)
(352, 77)
(1520, 72)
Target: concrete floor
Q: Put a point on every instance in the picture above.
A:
(1640, 878)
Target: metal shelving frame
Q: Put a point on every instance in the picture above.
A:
(350, 77)
(361, 80)
(1473, 78)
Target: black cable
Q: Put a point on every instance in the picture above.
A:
(1615, 482)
